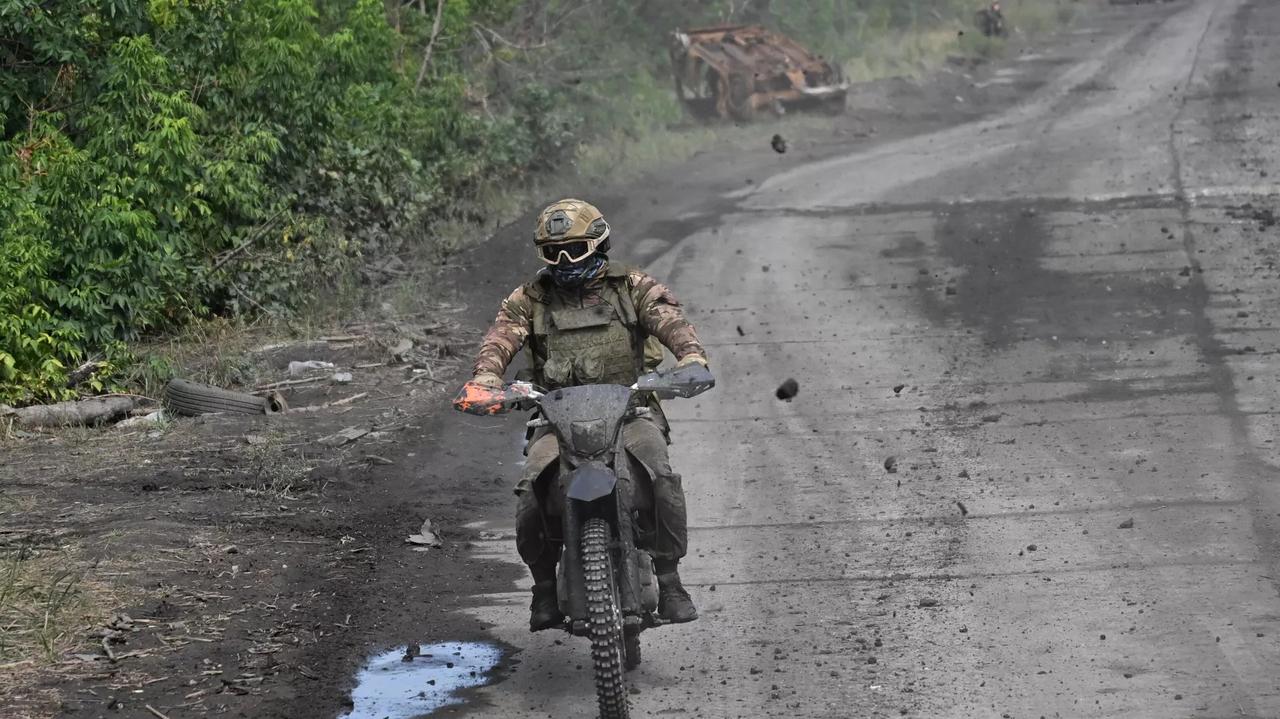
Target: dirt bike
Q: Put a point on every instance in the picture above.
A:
(606, 583)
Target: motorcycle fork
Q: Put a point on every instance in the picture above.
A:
(571, 566)
(624, 525)
(616, 509)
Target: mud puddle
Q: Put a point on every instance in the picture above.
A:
(404, 684)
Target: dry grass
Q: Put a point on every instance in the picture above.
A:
(213, 351)
(913, 52)
(50, 603)
(45, 605)
(910, 54)
(276, 471)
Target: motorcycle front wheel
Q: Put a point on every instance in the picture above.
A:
(607, 642)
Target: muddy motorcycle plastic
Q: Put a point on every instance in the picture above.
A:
(607, 590)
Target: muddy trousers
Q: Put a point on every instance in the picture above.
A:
(536, 532)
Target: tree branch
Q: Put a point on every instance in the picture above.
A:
(431, 44)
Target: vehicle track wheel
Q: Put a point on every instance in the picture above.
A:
(608, 650)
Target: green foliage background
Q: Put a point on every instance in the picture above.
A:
(165, 160)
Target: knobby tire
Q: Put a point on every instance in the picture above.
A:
(608, 654)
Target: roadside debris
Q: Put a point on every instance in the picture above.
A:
(82, 413)
(147, 420)
(788, 390)
(345, 436)
(733, 71)
(298, 369)
(182, 397)
(1127, 524)
(779, 144)
(891, 464)
(426, 536)
(402, 349)
(964, 511)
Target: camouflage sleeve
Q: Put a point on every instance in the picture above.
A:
(507, 335)
(662, 316)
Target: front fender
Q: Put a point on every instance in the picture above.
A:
(590, 482)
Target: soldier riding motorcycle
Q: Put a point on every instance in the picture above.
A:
(597, 499)
(585, 320)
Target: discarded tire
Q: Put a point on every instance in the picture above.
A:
(191, 399)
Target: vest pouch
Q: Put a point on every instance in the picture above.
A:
(558, 371)
(590, 370)
(567, 319)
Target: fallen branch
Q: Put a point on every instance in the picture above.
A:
(84, 413)
(155, 711)
(288, 383)
(349, 400)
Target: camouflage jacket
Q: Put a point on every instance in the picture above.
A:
(659, 314)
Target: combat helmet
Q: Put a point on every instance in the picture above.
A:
(569, 232)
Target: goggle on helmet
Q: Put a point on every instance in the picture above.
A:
(570, 231)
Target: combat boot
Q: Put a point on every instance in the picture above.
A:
(544, 611)
(674, 603)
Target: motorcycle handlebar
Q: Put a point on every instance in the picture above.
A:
(479, 399)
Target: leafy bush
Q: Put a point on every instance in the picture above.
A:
(179, 158)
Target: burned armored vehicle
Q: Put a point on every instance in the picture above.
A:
(736, 71)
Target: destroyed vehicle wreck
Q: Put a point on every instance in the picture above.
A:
(733, 72)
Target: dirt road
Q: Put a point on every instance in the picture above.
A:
(1077, 299)
(1041, 290)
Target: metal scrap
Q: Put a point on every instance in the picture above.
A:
(733, 71)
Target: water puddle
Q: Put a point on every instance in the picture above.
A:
(392, 686)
